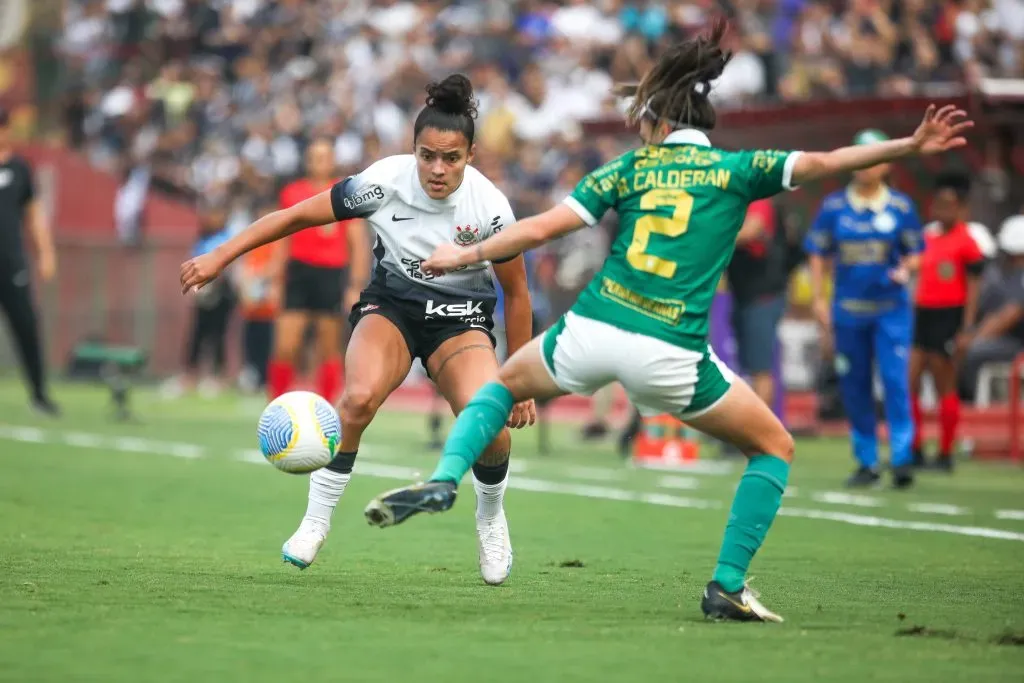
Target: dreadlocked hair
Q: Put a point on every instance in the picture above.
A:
(676, 88)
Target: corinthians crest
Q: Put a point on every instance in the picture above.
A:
(466, 235)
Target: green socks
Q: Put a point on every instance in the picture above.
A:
(476, 427)
(753, 510)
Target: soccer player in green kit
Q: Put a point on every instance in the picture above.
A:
(643, 320)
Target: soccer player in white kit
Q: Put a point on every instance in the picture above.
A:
(414, 203)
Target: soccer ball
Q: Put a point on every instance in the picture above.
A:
(299, 432)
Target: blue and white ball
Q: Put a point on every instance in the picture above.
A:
(299, 432)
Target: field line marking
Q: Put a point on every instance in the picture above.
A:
(376, 469)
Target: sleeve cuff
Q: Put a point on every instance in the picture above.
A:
(580, 210)
(787, 171)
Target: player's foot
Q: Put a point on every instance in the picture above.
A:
(864, 477)
(398, 505)
(42, 405)
(305, 543)
(917, 458)
(495, 549)
(743, 605)
(943, 463)
(903, 477)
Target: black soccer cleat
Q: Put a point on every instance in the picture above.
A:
(917, 458)
(743, 605)
(943, 463)
(394, 507)
(903, 477)
(863, 478)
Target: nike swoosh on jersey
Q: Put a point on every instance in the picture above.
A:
(396, 219)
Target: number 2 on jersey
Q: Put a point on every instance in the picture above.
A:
(649, 225)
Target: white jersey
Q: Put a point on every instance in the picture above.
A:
(409, 225)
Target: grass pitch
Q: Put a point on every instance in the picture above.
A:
(152, 552)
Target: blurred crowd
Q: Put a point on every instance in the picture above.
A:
(218, 98)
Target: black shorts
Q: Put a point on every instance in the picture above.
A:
(935, 329)
(314, 289)
(426, 325)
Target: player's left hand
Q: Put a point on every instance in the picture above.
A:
(444, 259)
(198, 271)
(941, 130)
(523, 414)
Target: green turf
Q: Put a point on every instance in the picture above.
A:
(119, 564)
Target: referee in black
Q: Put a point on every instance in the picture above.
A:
(19, 207)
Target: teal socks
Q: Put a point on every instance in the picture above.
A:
(476, 427)
(753, 511)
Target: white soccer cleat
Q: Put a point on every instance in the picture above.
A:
(495, 549)
(301, 549)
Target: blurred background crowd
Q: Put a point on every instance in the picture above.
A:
(218, 98)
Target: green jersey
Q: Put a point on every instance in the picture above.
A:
(680, 206)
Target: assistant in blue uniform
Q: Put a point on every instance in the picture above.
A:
(872, 235)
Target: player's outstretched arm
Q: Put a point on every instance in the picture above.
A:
(314, 211)
(522, 236)
(940, 131)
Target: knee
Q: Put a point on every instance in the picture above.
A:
(780, 444)
(358, 404)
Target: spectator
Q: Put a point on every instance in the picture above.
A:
(999, 334)
(260, 305)
(212, 309)
(757, 278)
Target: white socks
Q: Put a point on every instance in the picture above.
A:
(489, 498)
(325, 489)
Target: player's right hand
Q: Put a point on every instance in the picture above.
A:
(198, 271)
(446, 257)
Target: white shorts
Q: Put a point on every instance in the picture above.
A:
(583, 355)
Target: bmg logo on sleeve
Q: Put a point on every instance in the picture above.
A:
(364, 197)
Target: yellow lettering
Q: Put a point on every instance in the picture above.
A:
(667, 311)
(649, 224)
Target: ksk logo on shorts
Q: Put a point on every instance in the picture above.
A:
(368, 307)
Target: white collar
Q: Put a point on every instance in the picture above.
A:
(876, 204)
(687, 136)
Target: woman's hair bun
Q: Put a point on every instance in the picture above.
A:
(453, 95)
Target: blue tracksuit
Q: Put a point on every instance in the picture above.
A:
(872, 315)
